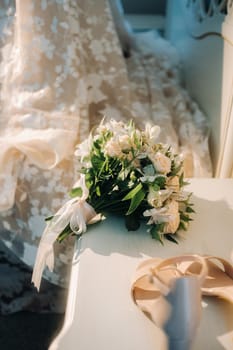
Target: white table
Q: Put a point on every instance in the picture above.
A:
(100, 313)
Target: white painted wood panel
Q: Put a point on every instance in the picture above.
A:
(197, 35)
(100, 313)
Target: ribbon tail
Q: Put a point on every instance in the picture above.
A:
(45, 254)
(45, 257)
(76, 212)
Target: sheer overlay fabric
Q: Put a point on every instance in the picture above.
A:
(65, 65)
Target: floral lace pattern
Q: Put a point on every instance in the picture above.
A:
(62, 69)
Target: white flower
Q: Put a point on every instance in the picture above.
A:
(156, 215)
(152, 132)
(173, 183)
(84, 148)
(169, 214)
(125, 142)
(157, 198)
(154, 198)
(174, 218)
(113, 149)
(148, 178)
(181, 196)
(117, 128)
(161, 162)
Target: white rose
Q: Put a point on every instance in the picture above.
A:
(173, 222)
(161, 162)
(125, 142)
(113, 149)
(173, 183)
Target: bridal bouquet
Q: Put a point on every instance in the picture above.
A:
(125, 171)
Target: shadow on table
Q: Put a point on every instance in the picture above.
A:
(210, 232)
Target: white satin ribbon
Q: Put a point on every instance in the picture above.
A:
(76, 212)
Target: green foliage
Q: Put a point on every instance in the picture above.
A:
(155, 232)
(136, 201)
(133, 192)
(49, 218)
(160, 181)
(65, 233)
(171, 238)
(181, 180)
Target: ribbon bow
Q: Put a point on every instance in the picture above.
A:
(76, 212)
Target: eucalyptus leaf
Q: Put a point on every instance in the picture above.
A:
(149, 170)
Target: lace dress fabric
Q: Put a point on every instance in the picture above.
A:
(62, 69)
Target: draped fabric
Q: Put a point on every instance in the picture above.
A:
(63, 67)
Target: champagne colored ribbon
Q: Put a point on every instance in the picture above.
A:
(44, 148)
(76, 212)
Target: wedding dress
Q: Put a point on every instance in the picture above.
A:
(65, 64)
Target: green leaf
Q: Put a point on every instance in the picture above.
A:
(181, 181)
(49, 218)
(190, 210)
(65, 233)
(76, 192)
(98, 192)
(96, 144)
(149, 170)
(185, 218)
(175, 170)
(97, 163)
(160, 181)
(133, 192)
(171, 238)
(155, 234)
(182, 226)
(155, 187)
(136, 201)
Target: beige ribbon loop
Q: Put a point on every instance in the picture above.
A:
(154, 279)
